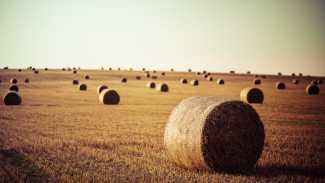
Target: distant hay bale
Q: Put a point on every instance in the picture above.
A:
(220, 81)
(194, 82)
(36, 72)
(143, 69)
(138, 77)
(12, 98)
(300, 74)
(46, 69)
(184, 81)
(154, 71)
(279, 74)
(312, 90)
(86, 77)
(79, 68)
(189, 70)
(151, 85)
(13, 80)
(210, 78)
(131, 69)
(110, 68)
(314, 82)
(256, 81)
(172, 70)
(147, 75)
(248, 72)
(108, 96)
(251, 95)
(74, 72)
(162, 87)
(74, 68)
(214, 133)
(123, 80)
(232, 72)
(19, 70)
(69, 69)
(208, 73)
(83, 87)
(100, 88)
(63, 69)
(205, 75)
(75, 82)
(293, 74)
(118, 69)
(154, 77)
(26, 80)
(198, 73)
(101, 68)
(295, 81)
(204, 72)
(256, 76)
(5, 68)
(163, 74)
(263, 76)
(319, 81)
(280, 86)
(33, 69)
(13, 87)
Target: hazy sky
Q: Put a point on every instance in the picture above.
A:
(261, 36)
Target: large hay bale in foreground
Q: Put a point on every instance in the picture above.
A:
(82, 87)
(214, 133)
(26, 80)
(100, 88)
(312, 90)
(220, 81)
(123, 80)
(251, 95)
(295, 81)
(13, 87)
(151, 85)
(108, 96)
(319, 81)
(75, 82)
(12, 98)
(194, 82)
(86, 77)
(184, 81)
(162, 87)
(280, 85)
(257, 81)
(13, 80)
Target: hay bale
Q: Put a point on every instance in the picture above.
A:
(36, 72)
(118, 69)
(69, 69)
(82, 87)
(232, 72)
(131, 69)
(312, 90)
(194, 82)
(154, 77)
(210, 78)
(143, 69)
(205, 75)
(204, 72)
(74, 72)
(280, 86)
(5, 68)
(147, 75)
(26, 80)
(189, 70)
(263, 76)
(46, 69)
(184, 81)
(13, 80)
(198, 73)
(172, 70)
(208, 73)
(256, 81)
(154, 71)
(151, 85)
(86, 77)
(75, 82)
(108, 96)
(251, 95)
(110, 68)
(63, 69)
(12, 98)
(300, 74)
(102, 68)
(295, 81)
(220, 81)
(256, 76)
(33, 69)
(248, 72)
(123, 80)
(19, 70)
(279, 74)
(314, 82)
(162, 87)
(214, 133)
(138, 77)
(163, 74)
(293, 74)
(13, 87)
(74, 68)
(319, 81)
(100, 88)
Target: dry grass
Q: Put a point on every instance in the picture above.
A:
(72, 137)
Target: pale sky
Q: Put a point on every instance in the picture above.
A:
(259, 35)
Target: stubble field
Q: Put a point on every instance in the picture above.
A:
(62, 134)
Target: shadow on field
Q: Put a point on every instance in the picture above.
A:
(278, 170)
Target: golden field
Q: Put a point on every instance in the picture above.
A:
(61, 134)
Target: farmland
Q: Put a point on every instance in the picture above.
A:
(67, 135)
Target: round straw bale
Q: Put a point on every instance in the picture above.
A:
(205, 75)
(13, 87)
(248, 72)
(75, 82)
(314, 82)
(319, 81)
(46, 69)
(118, 69)
(172, 70)
(5, 68)
(257, 81)
(151, 85)
(12, 98)
(189, 70)
(13, 80)
(154, 71)
(210, 78)
(312, 90)
(26, 80)
(19, 70)
(198, 73)
(110, 68)
(36, 72)
(154, 77)
(108, 96)
(279, 74)
(263, 76)
(163, 73)
(63, 69)
(184, 81)
(214, 133)
(86, 77)
(147, 75)
(208, 73)
(123, 79)
(74, 68)
(138, 77)
(295, 81)
(82, 87)
(33, 69)
(280, 85)
(220, 81)
(194, 82)
(101, 68)
(162, 87)
(143, 69)
(74, 72)
(204, 72)
(300, 74)
(251, 95)
(131, 69)
(69, 69)
(293, 74)
(256, 75)
(232, 72)
(100, 88)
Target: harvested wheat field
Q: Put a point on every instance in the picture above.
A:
(59, 134)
